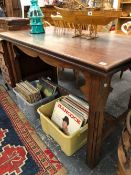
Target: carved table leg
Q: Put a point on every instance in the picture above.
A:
(98, 93)
(99, 89)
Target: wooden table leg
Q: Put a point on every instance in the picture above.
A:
(99, 90)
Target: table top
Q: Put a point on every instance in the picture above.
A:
(104, 53)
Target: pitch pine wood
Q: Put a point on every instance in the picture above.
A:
(112, 50)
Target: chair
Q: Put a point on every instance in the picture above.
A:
(122, 71)
(28, 3)
(61, 26)
(124, 149)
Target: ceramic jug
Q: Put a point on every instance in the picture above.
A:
(126, 27)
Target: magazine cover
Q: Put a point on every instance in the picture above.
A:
(68, 121)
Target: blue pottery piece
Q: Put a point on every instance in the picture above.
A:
(36, 18)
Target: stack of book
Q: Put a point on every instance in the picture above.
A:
(70, 114)
(28, 91)
(13, 23)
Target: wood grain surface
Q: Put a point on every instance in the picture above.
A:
(105, 53)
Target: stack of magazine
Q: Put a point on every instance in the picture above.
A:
(70, 114)
(28, 91)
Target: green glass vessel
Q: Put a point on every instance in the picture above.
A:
(36, 18)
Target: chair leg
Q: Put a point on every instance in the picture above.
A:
(76, 74)
(121, 73)
(60, 71)
(22, 11)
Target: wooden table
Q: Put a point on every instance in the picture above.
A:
(97, 59)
